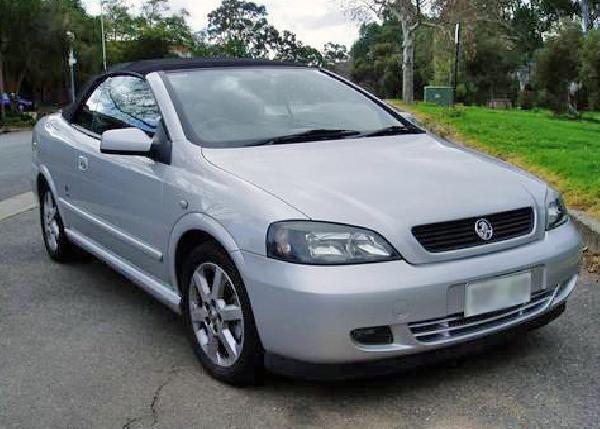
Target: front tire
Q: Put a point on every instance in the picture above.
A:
(218, 316)
(57, 245)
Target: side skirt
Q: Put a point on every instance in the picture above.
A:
(158, 290)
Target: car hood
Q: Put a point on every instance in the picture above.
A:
(388, 184)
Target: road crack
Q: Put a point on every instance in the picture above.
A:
(156, 398)
(129, 422)
(154, 414)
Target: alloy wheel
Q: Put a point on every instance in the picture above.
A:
(216, 314)
(51, 227)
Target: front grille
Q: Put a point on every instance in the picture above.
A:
(461, 234)
(457, 325)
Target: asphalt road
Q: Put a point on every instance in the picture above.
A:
(15, 162)
(81, 347)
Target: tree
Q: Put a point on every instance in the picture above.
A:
(14, 24)
(531, 20)
(147, 46)
(409, 15)
(35, 57)
(489, 63)
(174, 29)
(590, 11)
(287, 46)
(489, 54)
(377, 56)
(241, 27)
(558, 65)
(201, 47)
(595, 13)
(590, 69)
(152, 11)
(152, 34)
(17, 36)
(306, 54)
(119, 23)
(334, 53)
(528, 30)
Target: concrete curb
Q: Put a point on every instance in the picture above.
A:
(589, 229)
(14, 129)
(18, 204)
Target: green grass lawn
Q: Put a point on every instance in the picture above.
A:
(564, 152)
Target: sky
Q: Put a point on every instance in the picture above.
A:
(315, 22)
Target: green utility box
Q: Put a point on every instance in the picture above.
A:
(440, 95)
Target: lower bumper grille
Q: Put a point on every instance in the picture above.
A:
(456, 326)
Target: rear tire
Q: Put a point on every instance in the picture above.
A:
(58, 246)
(218, 317)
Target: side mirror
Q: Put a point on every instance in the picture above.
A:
(126, 141)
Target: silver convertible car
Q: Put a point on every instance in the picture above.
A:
(296, 221)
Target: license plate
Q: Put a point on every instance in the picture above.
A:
(497, 293)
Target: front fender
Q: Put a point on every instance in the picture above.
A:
(200, 222)
(42, 170)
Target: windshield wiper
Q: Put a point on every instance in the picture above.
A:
(394, 130)
(309, 135)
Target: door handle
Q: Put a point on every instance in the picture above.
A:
(82, 163)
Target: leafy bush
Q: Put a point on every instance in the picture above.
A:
(18, 121)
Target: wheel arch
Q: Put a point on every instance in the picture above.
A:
(40, 184)
(195, 228)
(43, 177)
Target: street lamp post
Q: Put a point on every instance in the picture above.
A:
(72, 62)
(103, 36)
(456, 58)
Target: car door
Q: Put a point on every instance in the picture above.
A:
(119, 197)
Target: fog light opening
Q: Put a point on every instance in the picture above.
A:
(373, 336)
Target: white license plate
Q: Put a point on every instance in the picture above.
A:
(497, 293)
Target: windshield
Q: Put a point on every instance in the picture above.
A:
(249, 106)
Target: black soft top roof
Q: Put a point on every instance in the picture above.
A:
(144, 67)
(149, 66)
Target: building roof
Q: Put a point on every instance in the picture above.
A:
(149, 66)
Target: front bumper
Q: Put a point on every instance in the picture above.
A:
(306, 313)
(389, 366)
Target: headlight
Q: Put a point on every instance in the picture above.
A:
(323, 243)
(556, 210)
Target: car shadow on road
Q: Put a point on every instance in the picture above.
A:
(487, 359)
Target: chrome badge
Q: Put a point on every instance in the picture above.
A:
(484, 229)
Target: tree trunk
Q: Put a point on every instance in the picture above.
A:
(2, 111)
(408, 49)
(585, 14)
(19, 81)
